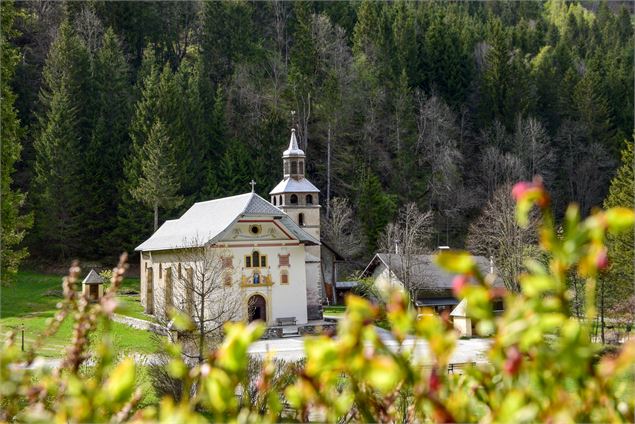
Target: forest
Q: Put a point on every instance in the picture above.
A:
(437, 103)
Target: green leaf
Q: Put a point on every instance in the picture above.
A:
(620, 219)
(458, 262)
(121, 383)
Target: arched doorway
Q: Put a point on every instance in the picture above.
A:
(257, 308)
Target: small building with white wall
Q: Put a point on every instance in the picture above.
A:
(433, 284)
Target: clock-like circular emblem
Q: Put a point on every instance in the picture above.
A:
(255, 229)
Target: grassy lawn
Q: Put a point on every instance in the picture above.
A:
(31, 300)
(334, 310)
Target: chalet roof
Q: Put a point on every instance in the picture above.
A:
(207, 222)
(93, 278)
(291, 185)
(423, 269)
(293, 149)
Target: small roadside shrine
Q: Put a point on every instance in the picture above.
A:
(93, 286)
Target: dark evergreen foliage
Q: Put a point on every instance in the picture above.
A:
(436, 102)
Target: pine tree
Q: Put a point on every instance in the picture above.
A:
(65, 132)
(110, 141)
(375, 208)
(621, 194)
(158, 184)
(69, 64)
(58, 192)
(133, 221)
(14, 224)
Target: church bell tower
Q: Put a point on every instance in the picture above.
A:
(299, 199)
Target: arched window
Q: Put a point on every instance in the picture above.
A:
(301, 219)
(294, 167)
(255, 259)
(309, 199)
(280, 200)
(301, 167)
(294, 199)
(275, 201)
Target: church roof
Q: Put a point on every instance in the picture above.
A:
(207, 222)
(293, 149)
(291, 185)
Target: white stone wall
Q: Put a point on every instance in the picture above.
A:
(283, 300)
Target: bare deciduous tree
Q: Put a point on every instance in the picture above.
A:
(496, 233)
(89, 27)
(436, 146)
(204, 286)
(341, 230)
(408, 237)
(586, 167)
(498, 169)
(532, 146)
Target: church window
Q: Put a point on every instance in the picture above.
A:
(255, 260)
(255, 229)
(227, 262)
(294, 199)
(294, 167)
(280, 200)
(309, 199)
(284, 277)
(284, 260)
(301, 220)
(301, 167)
(275, 200)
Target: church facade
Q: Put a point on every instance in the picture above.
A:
(267, 254)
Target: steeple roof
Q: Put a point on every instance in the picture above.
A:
(293, 149)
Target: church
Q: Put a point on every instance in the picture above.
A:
(272, 257)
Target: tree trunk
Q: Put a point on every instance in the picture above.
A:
(328, 172)
(602, 309)
(201, 330)
(156, 217)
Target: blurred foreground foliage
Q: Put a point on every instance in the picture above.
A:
(542, 365)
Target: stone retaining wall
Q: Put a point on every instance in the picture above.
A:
(140, 324)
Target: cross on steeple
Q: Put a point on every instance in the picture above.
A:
(253, 183)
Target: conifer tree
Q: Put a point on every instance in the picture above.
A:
(58, 191)
(620, 247)
(375, 208)
(158, 184)
(110, 140)
(69, 64)
(133, 221)
(65, 131)
(14, 224)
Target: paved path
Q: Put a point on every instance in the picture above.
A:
(292, 349)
